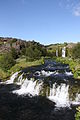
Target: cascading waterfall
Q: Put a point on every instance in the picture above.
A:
(58, 93)
(29, 87)
(13, 77)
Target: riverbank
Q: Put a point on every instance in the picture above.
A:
(21, 63)
(74, 65)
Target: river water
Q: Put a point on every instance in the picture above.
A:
(46, 92)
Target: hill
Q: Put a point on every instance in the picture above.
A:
(7, 43)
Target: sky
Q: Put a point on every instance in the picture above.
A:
(45, 21)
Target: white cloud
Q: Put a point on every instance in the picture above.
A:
(72, 6)
(77, 11)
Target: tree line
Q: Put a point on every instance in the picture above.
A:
(33, 51)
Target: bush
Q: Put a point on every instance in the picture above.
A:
(13, 53)
(32, 54)
(76, 51)
(6, 62)
(77, 116)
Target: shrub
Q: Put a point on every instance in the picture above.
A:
(6, 62)
(77, 116)
(13, 53)
(76, 51)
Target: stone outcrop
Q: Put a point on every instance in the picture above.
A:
(7, 43)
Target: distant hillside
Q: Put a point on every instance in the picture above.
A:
(7, 43)
(56, 46)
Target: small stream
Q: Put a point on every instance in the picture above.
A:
(45, 92)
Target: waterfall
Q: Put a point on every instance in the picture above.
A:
(59, 94)
(63, 52)
(29, 87)
(40, 83)
(13, 77)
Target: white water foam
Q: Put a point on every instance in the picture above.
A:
(29, 87)
(59, 95)
(12, 78)
(68, 73)
(44, 73)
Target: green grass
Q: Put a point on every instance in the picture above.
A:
(20, 64)
(4, 75)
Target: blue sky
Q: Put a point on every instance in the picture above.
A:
(46, 21)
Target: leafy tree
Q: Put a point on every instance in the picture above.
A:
(65, 43)
(23, 51)
(29, 52)
(6, 62)
(13, 53)
(69, 52)
(76, 51)
(37, 53)
(33, 53)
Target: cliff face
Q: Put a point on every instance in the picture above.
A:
(7, 43)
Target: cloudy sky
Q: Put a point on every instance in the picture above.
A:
(46, 21)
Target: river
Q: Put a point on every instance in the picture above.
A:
(45, 92)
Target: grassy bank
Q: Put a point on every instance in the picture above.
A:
(74, 65)
(21, 63)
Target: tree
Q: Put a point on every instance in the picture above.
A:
(29, 52)
(37, 53)
(6, 61)
(13, 53)
(76, 51)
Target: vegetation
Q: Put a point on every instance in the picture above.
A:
(72, 56)
(76, 51)
(74, 65)
(6, 62)
(77, 116)
(21, 63)
(16, 54)
(21, 54)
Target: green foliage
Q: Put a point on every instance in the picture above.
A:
(23, 51)
(6, 62)
(42, 60)
(22, 63)
(29, 53)
(69, 52)
(4, 75)
(59, 51)
(77, 116)
(34, 52)
(74, 65)
(76, 51)
(65, 43)
(13, 53)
